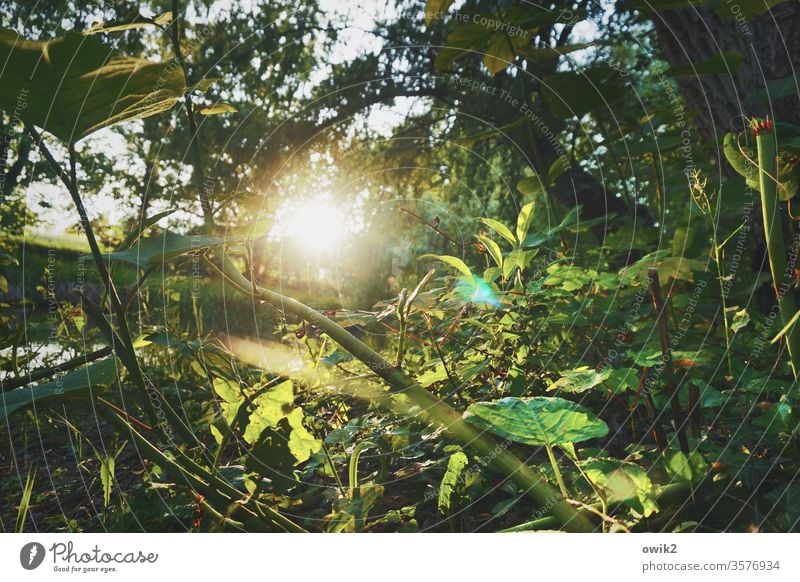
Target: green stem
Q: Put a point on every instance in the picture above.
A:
(766, 144)
(559, 477)
(718, 262)
(124, 346)
(433, 409)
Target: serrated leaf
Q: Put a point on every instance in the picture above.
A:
(536, 421)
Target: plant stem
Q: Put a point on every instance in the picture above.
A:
(669, 378)
(766, 145)
(124, 346)
(559, 477)
(718, 263)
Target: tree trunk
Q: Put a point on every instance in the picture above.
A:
(769, 43)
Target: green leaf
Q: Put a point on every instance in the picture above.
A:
(622, 379)
(557, 169)
(536, 421)
(685, 468)
(499, 228)
(79, 384)
(622, 482)
(155, 250)
(740, 320)
(436, 10)
(454, 262)
(545, 53)
(107, 477)
(462, 39)
(492, 248)
(517, 259)
(447, 490)
(724, 63)
(524, 220)
(338, 356)
(218, 109)
(302, 443)
(499, 54)
(432, 376)
(269, 409)
(580, 380)
(777, 89)
(76, 85)
(531, 185)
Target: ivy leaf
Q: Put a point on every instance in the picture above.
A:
(76, 85)
(536, 421)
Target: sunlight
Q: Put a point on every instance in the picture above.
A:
(316, 225)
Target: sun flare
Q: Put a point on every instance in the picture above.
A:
(315, 225)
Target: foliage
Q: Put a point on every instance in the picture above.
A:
(509, 370)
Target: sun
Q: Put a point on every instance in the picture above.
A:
(316, 225)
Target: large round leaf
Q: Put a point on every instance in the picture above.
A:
(536, 421)
(75, 85)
